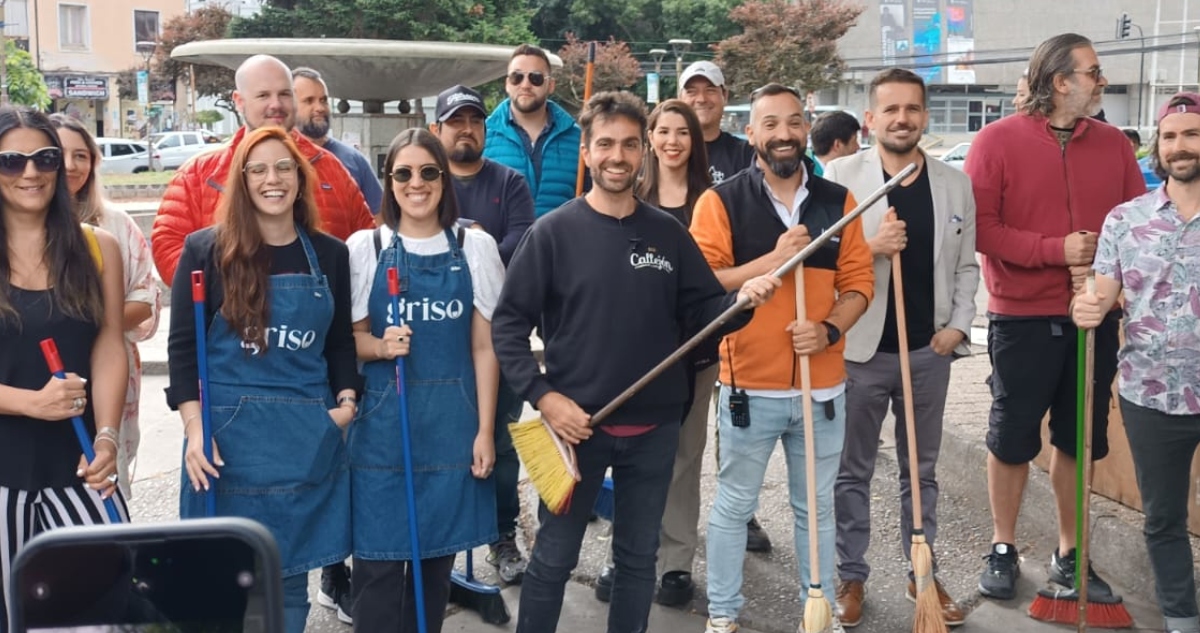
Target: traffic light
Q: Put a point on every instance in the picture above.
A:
(1123, 26)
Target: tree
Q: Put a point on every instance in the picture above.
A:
(25, 84)
(697, 20)
(615, 69)
(208, 117)
(793, 42)
(206, 23)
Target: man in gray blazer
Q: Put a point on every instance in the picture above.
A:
(930, 221)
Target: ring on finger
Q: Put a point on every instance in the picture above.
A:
(77, 404)
(113, 478)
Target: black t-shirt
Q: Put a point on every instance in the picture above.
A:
(498, 198)
(334, 260)
(727, 155)
(914, 205)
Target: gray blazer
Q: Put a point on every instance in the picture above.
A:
(956, 272)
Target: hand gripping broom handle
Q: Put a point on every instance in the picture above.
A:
(742, 304)
(200, 314)
(1085, 375)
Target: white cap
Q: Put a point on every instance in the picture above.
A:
(705, 69)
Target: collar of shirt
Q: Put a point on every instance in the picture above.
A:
(789, 215)
(529, 144)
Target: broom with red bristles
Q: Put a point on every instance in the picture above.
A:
(1064, 606)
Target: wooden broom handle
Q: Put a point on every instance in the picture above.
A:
(910, 422)
(588, 76)
(810, 451)
(1084, 514)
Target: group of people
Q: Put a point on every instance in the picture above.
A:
(295, 239)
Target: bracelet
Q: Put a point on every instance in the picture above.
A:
(189, 419)
(106, 439)
(107, 431)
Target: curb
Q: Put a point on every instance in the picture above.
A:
(128, 192)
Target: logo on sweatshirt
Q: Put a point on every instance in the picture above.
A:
(650, 259)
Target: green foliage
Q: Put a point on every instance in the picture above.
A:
(206, 23)
(615, 69)
(697, 20)
(25, 84)
(209, 117)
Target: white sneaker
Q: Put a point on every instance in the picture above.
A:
(835, 626)
(721, 625)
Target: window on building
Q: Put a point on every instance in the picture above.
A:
(73, 26)
(966, 113)
(16, 18)
(145, 27)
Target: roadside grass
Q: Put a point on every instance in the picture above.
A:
(144, 178)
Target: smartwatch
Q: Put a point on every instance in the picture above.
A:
(832, 333)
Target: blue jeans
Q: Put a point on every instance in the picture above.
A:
(295, 603)
(641, 471)
(743, 454)
(508, 467)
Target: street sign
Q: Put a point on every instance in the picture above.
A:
(143, 87)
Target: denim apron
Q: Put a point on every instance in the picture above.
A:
(455, 511)
(285, 461)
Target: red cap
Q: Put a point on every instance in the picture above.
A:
(1180, 102)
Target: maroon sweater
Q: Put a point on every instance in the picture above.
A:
(1030, 193)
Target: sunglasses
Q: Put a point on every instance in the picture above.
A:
(1096, 72)
(536, 78)
(258, 169)
(428, 173)
(45, 160)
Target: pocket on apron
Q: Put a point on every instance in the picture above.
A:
(275, 444)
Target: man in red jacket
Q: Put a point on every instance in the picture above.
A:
(263, 97)
(1044, 180)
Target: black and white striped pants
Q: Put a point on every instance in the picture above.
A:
(27, 513)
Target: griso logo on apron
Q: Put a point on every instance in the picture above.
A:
(291, 340)
(426, 310)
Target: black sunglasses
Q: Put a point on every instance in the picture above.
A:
(45, 160)
(428, 173)
(536, 78)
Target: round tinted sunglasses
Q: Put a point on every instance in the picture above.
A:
(45, 160)
(428, 173)
(536, 78)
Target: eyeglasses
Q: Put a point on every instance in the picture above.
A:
(1096, 72)
(45, 160)
(283, 167)
(428, 173)
(536, 78)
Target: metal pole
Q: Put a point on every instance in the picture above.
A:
(1141, 73)
(3, 58)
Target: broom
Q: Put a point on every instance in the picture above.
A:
(201, 317)
(588, 76)
(818, 615)
(470, 593)
(928, 617)
(1064, 606)
(551, 462)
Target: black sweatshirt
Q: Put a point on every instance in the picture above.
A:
(334, 260)
(614, 297)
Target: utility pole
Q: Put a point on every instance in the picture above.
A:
(3, 58)
(679, 47)
(1123, 26)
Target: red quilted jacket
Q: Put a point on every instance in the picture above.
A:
(191, 198)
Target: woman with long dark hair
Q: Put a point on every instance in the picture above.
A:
(81, 159)
(63, 281)
(676, 172)
(281, 368)
(450, 282)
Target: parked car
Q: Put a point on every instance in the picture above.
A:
(123, 156)
(177, 147)
(957, 155)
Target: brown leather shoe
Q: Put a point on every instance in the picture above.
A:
(850, 595)
(953, 615)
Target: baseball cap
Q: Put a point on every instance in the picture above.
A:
(453, 99)
(1184, 102)
(705, 69)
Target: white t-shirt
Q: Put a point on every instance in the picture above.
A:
(483, 260)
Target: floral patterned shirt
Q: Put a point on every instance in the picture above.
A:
(1155, 254)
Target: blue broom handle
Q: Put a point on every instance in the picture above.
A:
(406, 441)
(200, 312)
(50, 351)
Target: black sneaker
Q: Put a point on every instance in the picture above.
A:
(335, 591)
(506, 557)
(999, 579)
(604, 584)
(1062, 572)
(756, 537)
(675, 589)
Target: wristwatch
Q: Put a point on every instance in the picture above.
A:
(832, 332)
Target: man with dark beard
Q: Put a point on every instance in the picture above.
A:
(747, 226)
(497, 198)
(534, 135)
(930, 221)
(615, 284)
(312, 120)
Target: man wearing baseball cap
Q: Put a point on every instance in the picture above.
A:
(1149, 248)
(702, 86)
(498, 199)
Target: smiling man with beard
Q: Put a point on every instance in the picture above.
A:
(747, 226)
(615, 284)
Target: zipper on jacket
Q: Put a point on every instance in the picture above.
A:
(1067, 182)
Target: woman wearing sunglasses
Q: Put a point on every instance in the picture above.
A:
(62, 281)
(81, 158)
(450, 280)
(281, 369)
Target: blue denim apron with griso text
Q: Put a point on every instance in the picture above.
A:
(455, 511)
(285, 461)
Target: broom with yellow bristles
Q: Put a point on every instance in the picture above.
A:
(551, 462)
(929, 617)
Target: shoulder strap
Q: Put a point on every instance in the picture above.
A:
(377, 237)
(93, 246)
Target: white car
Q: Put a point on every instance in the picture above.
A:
(177, 147)
(956, 156)
(123, 156)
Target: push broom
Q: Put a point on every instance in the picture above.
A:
(928, 617)
(551, 462)
(1064, 606)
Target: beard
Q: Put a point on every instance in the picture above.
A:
(314, 128)
(465, 154)
(900, 147)
(1183, 174)
(528, 107)
(782, 167)
(614, 184)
